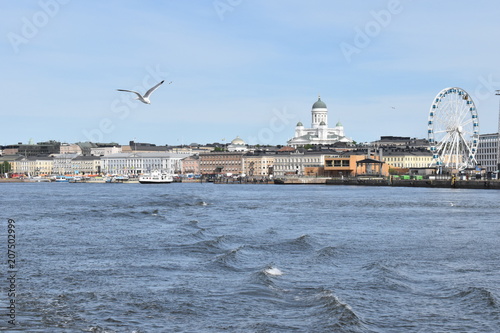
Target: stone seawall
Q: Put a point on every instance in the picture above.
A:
(437, 183)
(304, 181)
(11, 180)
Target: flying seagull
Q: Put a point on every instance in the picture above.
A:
(145, 98)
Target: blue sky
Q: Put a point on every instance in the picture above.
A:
(239, 68)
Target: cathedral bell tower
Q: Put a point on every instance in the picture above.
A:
(319, 114)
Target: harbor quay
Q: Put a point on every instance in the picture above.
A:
(430, 182)
(450, 182)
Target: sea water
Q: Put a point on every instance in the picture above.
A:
(251, 258)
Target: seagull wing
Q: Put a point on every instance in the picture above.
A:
(150, 91)
(135, 92)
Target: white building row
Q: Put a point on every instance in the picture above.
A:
(138, 163)
(295, 163)
(487, 152)
(119, 163)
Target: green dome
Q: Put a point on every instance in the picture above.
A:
(300, 124)
(339, 124)
(319, 104)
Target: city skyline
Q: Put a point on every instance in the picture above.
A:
(238, 68)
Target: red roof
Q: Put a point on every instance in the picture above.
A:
(287, 148)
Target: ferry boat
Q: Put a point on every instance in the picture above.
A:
(38, 179)
(156, 177)
(62, 179)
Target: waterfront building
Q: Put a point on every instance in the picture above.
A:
(133, 164)
(63, 164)
(487, 152)
(407, 158)
(191, 165)
(355, 164)
(86, 165)
(259, 164)
(35, 165)
(319, 133)
(296, 163)
(59, 164)
(218, 163)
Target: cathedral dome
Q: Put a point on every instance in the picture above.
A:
(237, 145)
(319, 104)
(339, 124)
(238, 141)
(300, 124)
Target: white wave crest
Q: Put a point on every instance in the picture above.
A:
(273, 271)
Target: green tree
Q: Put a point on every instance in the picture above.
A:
(5, 167)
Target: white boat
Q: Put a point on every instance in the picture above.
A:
(38, 179)
(62, 179)
(156, 177)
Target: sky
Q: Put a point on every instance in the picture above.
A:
(247, 68)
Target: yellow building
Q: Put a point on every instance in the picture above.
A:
(404, 159)
(39, 165)
(258, 165)
(33, 165)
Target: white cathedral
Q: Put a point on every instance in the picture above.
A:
(319, 133)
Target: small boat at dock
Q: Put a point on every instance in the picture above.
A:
(156, 177)
(62, 179)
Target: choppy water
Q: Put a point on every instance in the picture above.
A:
(252, 258)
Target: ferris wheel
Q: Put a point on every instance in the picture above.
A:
(453, 129)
